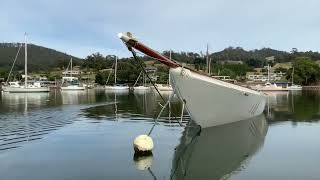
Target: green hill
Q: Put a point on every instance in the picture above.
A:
(39, 58)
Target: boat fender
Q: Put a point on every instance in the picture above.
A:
(143, 144)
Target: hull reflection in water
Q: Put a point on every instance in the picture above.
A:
(218, 152)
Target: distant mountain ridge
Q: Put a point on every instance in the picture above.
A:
(39, 58)
(254, 58)
(239, 54)
(45, 59)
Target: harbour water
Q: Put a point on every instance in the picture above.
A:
(89, 135)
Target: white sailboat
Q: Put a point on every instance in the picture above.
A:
(268, 86)
(116, 86)
(142, 87)
(209, 101)
(74, 84)
(165, 87)
(15, 87)
(293, 86)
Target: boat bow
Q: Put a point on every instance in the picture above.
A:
(132, 42)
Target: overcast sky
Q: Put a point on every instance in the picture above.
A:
(81, 27)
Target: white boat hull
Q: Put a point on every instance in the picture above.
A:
(25, 90)
(269, 88)
(120, 88)
(141, 88)
(73, 88)
(294, 88)
(161, 87)
(211, 102)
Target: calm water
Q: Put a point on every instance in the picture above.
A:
(89, 135)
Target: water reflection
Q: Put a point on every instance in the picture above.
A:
(18, 130)
(218, 151)
(26, 117)
(134, 106)
(18, 102)
(293, 106)
(21, 101)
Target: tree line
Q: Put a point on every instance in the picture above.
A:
(44, 60)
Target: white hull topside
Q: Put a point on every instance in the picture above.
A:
(211, 102)
(294, 88)
(164, 87)
(72, 88)
(117, 88)
(141, 88)
(269, 88)
(25, 90)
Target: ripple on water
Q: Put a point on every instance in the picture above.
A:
(15, 130)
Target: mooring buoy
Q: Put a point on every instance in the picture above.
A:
(143, 144)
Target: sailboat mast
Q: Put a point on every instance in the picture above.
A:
(169, 83)
(207, 59)
(292, 76)
(115, 71)
(25, 61)
(268, 73)
(71, 68)
(209, 66)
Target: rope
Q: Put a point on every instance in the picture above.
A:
(152, 174)
(137, 79)
(110, 74)
(156, 120)
(152, 82)
(145, 72)
(15, 59)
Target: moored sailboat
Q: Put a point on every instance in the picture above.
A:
(269, 86)
(209, 101)
(74, 83)
(116, 86)
(15, 87)
(142, 87)
(293, 86)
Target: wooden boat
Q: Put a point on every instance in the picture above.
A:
(209, 101)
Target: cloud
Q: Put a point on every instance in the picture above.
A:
(83, 27)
